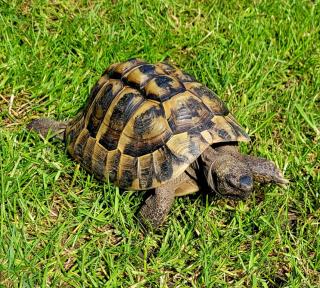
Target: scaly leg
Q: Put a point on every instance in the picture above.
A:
(157, 206)
(44, 125)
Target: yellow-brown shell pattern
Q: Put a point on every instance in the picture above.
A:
(144, 124)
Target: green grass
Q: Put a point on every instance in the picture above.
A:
(61, 228)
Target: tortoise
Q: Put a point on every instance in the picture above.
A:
(153, 126)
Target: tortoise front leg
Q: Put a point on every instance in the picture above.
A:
(157, 206)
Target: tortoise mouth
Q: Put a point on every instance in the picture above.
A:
(235, 196)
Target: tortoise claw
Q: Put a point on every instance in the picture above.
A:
(281, 181)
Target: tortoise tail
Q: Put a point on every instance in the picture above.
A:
(45, 127)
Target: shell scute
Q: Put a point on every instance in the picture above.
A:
(177, 73)
(81, 142)
(127, 171)
(185, 111)
(145, 171)
(163, 164)
(119, 69)
(140, 75)
(112, 165)
(99, 160)
(119, 117)
(103, 99)
(146, 131)
(209, 98)
(162, 87)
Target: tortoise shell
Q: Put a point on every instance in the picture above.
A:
(144, 124)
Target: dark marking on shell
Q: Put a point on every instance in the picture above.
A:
(114, 74)
(128, 171)
(139, 149)
(144, 122)
(202, 126)
(87, 156)
(194, 145)
(131, 84)
(114, 166)
(163, 81)
(127, 178)
(143, 125)
(224, 134)
(147, 69)
(122, 112)
(190, 114)
(79, 147)
(92, 128)
(191, 108)
(165, 169)
(92, 96)
(103, 104)
(107, 98)
(219, 107)
(165, 84)
(109, 139)
(99, 167)
(146, 172)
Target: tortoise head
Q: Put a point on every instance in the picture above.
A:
(233, 182)
(228, 176)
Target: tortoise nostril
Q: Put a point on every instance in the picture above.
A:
(246, 182)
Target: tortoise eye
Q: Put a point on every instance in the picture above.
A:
(246, 181)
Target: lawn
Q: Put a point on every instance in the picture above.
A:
(60, 227)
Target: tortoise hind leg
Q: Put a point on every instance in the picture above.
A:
(157, 206)
(44, 125)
